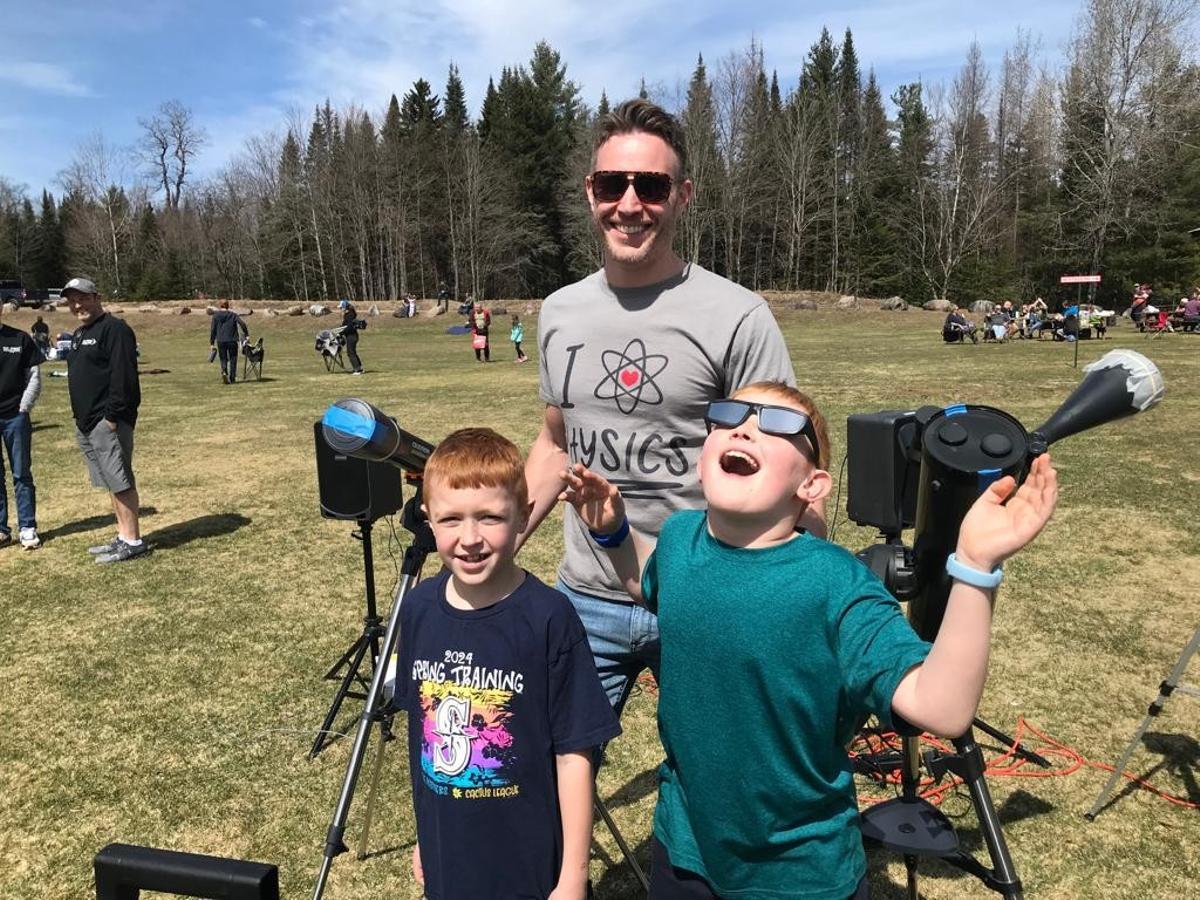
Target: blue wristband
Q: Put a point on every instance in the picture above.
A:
(964, 573)
(616, 539)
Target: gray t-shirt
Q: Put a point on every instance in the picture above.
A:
(633, 370)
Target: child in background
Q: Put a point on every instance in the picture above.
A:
(518, 335)
(504, 703)
(776, 643)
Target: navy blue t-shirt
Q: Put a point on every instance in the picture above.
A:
(18, 354)
(492, 696)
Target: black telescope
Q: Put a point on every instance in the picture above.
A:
(960, 450)
(356, 428)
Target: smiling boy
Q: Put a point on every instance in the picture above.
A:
(504, 703)
(776, 643)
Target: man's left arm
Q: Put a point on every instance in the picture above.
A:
(123, 374)
(33, 387)
(575, 809)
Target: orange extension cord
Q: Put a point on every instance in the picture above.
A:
(1007, 764)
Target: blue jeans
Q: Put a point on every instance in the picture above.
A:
(16, 433)
(623, 638)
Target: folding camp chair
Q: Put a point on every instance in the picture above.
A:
(252, 359)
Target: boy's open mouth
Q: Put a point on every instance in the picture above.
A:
(735, 462)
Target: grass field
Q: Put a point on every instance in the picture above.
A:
(172, 701)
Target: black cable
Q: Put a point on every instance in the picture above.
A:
(837, 503)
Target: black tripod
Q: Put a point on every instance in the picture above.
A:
(353, 657)
(376, 710)
(909, 824)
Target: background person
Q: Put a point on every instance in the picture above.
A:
(630, 357)
(223, 333)
(503, 702)
(481, 323)
(40, 332)
(350, 333)
(956, 326)
(105, 396)
(20, 384)
(776, 644)
(516, 336)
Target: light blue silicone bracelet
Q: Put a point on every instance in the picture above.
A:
(960, 572)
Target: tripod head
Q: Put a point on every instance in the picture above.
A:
(926, 468)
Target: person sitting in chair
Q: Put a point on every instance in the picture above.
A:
(957, 326)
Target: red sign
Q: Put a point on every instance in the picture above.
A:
(1079, 279)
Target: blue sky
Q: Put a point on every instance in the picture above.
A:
(75, 67)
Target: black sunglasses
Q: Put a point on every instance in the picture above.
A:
(650, 187)
(777, 420)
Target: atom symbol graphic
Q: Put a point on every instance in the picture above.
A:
(629, 376)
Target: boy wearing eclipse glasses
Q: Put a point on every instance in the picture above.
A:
(776, 644)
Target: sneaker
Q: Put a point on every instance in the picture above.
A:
(30, 539)
(224, 378)
(5, 538)
(123, 552)
(357, 372)
(110, 547)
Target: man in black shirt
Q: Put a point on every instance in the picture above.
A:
(20, 383)
(105, 394)
(41, 335)
(223, 335)
(350, 333)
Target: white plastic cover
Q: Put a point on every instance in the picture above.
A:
(1145, 382)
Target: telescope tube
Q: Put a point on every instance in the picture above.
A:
(356, 428)
(963, 450)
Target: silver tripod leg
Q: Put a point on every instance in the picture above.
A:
(1168, 687)
(369, 816)
(626, 851)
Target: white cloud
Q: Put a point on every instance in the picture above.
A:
(256, 22)
(44, 77)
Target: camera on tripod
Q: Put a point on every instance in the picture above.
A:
(923, 469)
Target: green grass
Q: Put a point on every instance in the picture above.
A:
(172, 701)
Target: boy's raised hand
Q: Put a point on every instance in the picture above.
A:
(994, 530)
(597, 501)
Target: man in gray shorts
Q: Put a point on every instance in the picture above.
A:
(105, 395)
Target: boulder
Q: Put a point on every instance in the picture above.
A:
(243, 312)
(433, 311)
(318, 309)
(847, 302)
(805, 304)
(10, 307)
(270, 313)
(898, 303)
(941, 304)
(146, 307)
(184, 310)
(294, 311)
(982, 306)
(373, 310)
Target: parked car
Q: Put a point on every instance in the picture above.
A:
(12, 291)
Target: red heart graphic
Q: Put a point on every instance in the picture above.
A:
(629, 377)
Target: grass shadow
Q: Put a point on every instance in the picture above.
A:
(91, 523)
(1180, 756)
(195, 529)
(618, 881)
(43, 426)
(641, 785)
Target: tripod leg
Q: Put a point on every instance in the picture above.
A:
(1164, 691)
(360, 651)
(1017, 747)
(1003, 877)
(376, 769)
(625, 848)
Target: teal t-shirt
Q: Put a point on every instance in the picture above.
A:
(770, 660)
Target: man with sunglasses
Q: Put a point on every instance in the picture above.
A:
(631, 356)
